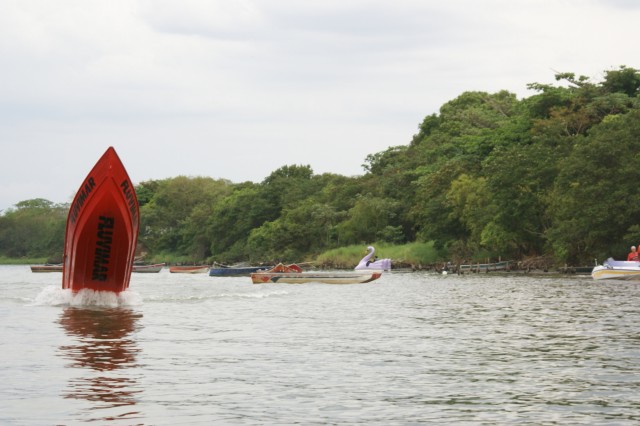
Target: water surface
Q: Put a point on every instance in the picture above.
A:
(410, 348)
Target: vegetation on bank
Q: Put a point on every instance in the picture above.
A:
(553, 175)
(410, 255)
(23, 261)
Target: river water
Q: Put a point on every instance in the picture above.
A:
(409, 348)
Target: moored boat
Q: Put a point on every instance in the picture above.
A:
(370, 263)
(199, 269)
(235, 271)
(486, 267)
(288, 275)
(617, 270)
(47, 268)
(154, 268)
(102, 229)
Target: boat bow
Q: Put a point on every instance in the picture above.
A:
(102, 229)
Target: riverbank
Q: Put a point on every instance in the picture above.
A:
(409, 257)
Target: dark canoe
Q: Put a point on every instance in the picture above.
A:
(102, 229)
(240, 271)
(46, 268)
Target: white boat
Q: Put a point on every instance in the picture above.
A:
(314, 277)
(616, 270)
(370, 263)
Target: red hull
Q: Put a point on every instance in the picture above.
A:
(102, 229)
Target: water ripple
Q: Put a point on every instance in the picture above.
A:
(407, 349)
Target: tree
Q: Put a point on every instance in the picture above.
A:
(471, 203)
(596, 195)
(624, 80)
(231, 221)
(285, 187)
(301, 230)
(34, 228)
(368, 220)
(174, 217)
(518, 182)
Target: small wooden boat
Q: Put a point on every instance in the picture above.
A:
(235, 271)
(47, 268)
(287, 274)
(102, 229)
(200, 269)
(149, 269)
(617, 270)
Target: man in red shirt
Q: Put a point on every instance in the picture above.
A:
(633, 255)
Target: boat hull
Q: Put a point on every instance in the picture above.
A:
(189, 269)
(236, 272)
(102, 229)
(46, 268)
(317, 277)
(617, 270)
(378, 265)
(148, 269)
(366, 264)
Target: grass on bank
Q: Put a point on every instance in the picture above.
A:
(172, 259)
(23, 261)
(404, 255)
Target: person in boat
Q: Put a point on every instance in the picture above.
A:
(633, 255)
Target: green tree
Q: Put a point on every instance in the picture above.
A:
(174, 217)
(368, 220)
(471, 202)
(596, 195)
(519, 180)
(285, 187)
(34, 228)
(302, 230)
(232, 219)
(623, 80)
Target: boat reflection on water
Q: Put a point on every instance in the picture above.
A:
(105, 348)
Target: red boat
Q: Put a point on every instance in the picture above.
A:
(196, 269)
(102, 229)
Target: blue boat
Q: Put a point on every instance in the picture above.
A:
(235, 271)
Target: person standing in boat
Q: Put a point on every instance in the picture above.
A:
(633, 255)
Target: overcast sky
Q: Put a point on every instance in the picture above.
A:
(236, 89)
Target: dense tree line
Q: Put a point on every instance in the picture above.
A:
(553, 174)
(34, 228)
